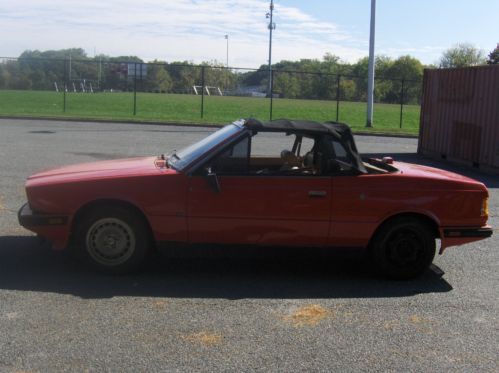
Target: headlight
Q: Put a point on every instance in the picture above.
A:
(484, 211)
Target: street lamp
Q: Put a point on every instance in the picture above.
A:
(370, 81)
(271, 27)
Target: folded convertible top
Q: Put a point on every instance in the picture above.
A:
(338, 130)
(308, 126)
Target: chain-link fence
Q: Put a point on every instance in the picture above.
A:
(192, 93)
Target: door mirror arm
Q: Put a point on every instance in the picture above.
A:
(213, 181)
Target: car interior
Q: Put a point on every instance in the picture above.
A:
(300, 155)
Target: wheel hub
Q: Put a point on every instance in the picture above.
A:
(405, 248)
(110, 241)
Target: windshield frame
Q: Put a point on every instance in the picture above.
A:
(184, 159)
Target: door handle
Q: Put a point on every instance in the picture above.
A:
(317, 193)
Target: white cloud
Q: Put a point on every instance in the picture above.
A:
(172, 30)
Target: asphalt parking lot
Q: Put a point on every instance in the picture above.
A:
(283, 313)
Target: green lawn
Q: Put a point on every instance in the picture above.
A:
(187, 109)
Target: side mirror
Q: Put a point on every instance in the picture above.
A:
(213, 181)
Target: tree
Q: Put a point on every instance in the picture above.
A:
(410, 70)
(126, 59)
(184, 75)
(163, 80)
(494, 57)
(330, 63)
(286, 85)
(157, 79)
(3, 77)
(381, 87)
(462, 55)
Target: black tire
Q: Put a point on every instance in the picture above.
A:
(112, 239)
(403, 248)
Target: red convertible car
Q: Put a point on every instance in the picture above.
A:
(238, 187)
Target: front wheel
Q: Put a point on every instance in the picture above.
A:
(403, 248)
(112, 239)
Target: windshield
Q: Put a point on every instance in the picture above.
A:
(186, 156)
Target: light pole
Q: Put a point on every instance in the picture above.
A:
(370, 81)
(227, 71)
(227, 38)
(271, 27)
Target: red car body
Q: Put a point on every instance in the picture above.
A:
(342, 209)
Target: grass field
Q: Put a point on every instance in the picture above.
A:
(187, 109)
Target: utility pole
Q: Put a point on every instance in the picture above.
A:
(271, 27)
(227, 72)
(370, 81)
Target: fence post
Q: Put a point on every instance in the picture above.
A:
(65, 85)
(135, 88)
(402, 102)
(271, 92)
(202, 91)
(338, 79)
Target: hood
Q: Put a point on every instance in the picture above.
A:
(103, 169)
(425, 172)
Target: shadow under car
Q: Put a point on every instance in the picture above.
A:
(26, 265)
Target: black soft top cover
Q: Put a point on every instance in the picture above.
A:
(280, 125)
(340, 131)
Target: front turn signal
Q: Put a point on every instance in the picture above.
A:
(484, 211)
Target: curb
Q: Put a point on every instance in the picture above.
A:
(384, 134)
(185, 124)
(93, 120)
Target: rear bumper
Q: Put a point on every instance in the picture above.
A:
(55, 228)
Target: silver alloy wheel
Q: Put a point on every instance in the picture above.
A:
(110, 241)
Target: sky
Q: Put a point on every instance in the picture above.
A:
(194, 30)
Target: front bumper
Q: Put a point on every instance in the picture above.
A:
(31, 219)
(483, 232)
(55, 228)
(455, 236)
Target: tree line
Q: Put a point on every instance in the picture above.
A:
(396, 79)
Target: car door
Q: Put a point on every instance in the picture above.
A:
(257, 208)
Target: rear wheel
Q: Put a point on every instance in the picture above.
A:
(403, 248)
(113, 239)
